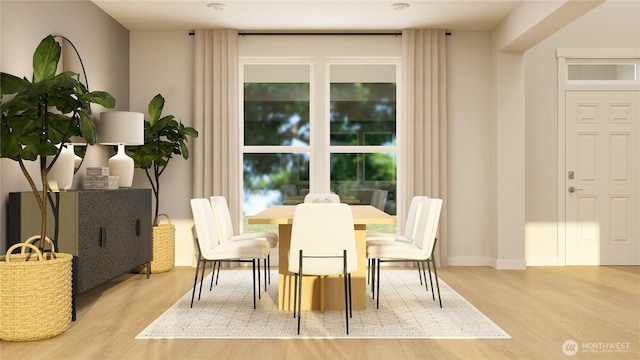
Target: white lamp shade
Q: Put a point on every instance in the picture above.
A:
(121, 128)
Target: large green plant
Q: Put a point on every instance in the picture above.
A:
(163, 137)
(43, 113)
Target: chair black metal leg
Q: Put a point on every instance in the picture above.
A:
(378, 289)
(346, 289)
(195, 280)
(269, 267)
(213, 274)
(204, 265)
(373, 278)
(433, 296)
(253, 263)
(266, 271)
(295, 294)
(218, 275)
(435, 272)
(419, 273)
(346, 302)
(259, 285)
(424, 275)
(300, 292)
(350, 298)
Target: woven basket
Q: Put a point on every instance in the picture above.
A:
(164, 246)
(35, 293)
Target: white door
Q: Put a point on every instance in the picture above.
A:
(602, 178)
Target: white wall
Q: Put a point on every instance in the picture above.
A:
(614, 24)
(469, 144)
(162, 63)
(103, 45)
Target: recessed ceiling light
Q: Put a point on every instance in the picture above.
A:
(399, 6)
(216, 6)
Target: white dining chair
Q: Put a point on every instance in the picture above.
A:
(209, 248)
(407, 235)
(321, 198)
(420, 251)
(226, 233)
(322, 243)
(379, 198)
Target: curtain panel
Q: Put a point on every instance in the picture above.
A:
(216, 150)
(424, 146)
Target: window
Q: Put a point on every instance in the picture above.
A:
(596, 71)
(276, 130)
(318, 123)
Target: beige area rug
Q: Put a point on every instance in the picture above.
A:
(406, 311)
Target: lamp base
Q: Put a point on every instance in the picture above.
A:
(60, 177)
(121, 165)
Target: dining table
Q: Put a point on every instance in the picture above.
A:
(330, 296)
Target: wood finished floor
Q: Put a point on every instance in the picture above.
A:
(540, 308)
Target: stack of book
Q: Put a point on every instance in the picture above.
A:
(97, 178)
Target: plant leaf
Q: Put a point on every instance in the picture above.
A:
(102, 98)
(10, 84)
(155, 108)
(87, 128)
(45, 59)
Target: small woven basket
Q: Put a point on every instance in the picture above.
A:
(35, 293)
(164, 246)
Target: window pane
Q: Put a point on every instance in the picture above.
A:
(602, 71)
(363, 114)
(276, 114)
(272, 179)
(363, 104)
(359, 175)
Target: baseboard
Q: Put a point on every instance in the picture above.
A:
(541, 261)
(468, 261)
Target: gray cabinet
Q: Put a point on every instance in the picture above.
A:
(107, 231)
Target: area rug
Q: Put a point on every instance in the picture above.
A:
(406, 311)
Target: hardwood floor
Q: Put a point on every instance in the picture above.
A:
(540, 308)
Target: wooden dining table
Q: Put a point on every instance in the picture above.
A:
(333, 298)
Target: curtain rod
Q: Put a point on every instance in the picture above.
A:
(191, 33)
(321, 33)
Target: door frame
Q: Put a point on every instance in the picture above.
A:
(565, 56)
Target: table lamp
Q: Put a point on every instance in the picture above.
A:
(60, 177)
(121, 128)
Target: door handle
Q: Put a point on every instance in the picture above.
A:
(573, 189)
(103, 236)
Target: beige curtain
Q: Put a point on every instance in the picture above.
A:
(425, 115)
(216, 149)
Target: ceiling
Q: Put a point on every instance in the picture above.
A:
(308, 15)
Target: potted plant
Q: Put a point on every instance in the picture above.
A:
(37, 121)
(163, 138)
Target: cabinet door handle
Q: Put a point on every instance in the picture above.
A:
(138, 227)
(103, 236)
